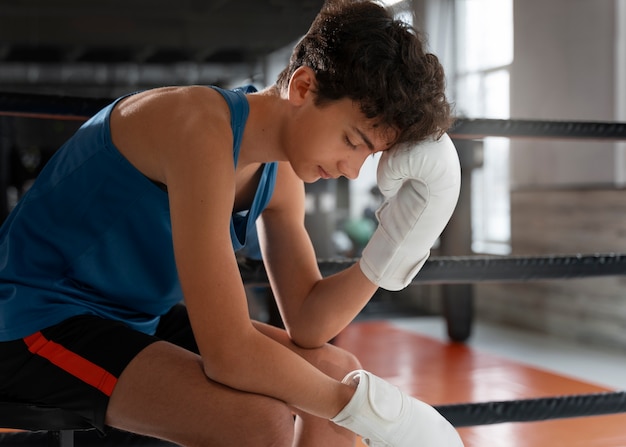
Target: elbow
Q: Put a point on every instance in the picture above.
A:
(306, 338)
(218, 371)
(224, 365)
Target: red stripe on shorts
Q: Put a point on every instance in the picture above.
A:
(71, 362)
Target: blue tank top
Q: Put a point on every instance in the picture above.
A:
(93, 235)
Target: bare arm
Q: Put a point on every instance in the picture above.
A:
(194, 159)
(314, 309)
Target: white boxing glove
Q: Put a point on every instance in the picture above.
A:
(421, 185)
(384, 416)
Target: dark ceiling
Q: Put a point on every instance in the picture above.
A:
(89, 47)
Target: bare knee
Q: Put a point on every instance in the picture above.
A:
(270, 423)
(263, 422)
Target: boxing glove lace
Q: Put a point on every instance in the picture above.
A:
(384, 416)
(421, 185)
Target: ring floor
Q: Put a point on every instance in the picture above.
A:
(495, 364)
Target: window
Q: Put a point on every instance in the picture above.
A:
(484, 53)
(477, 62)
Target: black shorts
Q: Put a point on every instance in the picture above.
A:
(75, 364)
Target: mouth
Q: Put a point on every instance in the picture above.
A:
(323, 173)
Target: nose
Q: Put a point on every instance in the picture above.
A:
(350, 169)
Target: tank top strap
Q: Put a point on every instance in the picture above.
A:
(239, 110)
(242, 224)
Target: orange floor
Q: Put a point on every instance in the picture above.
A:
(446, 373)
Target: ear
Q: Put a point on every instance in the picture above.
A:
(301, 85)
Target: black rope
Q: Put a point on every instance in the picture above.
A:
(51, 106)
(527, 410)
(472, 269)
(479, 128)
(520, 268)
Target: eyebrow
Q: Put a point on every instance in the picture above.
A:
(365, 138)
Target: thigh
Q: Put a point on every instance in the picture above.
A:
(164, 393)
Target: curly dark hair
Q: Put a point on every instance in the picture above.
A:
(359, 51)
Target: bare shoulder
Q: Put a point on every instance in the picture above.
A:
(155, 127)
(168, 99)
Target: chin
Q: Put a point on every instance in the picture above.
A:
(308, 176)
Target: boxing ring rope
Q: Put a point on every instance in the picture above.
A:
(438, 270)
(50, 106)
(77, 108)
(471, 269)
(529, 410)
(481, 128)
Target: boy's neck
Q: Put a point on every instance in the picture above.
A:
(262, 141)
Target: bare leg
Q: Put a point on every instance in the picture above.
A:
(310, 430)
(164, 393)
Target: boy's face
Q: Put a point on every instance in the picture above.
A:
(333, 140)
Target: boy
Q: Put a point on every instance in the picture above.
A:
(144, 208)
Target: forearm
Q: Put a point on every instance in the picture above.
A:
(262, 365)
(329, 307)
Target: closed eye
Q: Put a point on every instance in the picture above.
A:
(348, 142)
